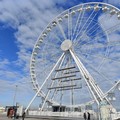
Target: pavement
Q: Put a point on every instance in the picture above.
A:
(4, 117)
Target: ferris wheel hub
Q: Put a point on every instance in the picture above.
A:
(66, 45)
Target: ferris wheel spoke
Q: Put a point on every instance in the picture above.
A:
(68, 24)
(47, 62)
(97, 23)
(84, 25)
(47, 66)
(108, 31)
(71, 26)
(57, 38)
(52, 54)
(97, 28)
(97, 46)
(77, 23)
(91, 29)
(96, 70)
(77, 30)
(55, 54)
(52, 45)
(86, 31)
(103, 61)
(46, 52)
(86, 37)
(101, 64)
(99, 56)
(62, 31)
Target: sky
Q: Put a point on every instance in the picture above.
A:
(21, 22)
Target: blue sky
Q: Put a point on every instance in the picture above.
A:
(21, 22)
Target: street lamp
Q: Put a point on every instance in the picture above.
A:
(14, 99)
(119, 86)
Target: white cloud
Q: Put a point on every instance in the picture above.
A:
(28, 18)
(113, 2)
(3, 63)
(34, 21)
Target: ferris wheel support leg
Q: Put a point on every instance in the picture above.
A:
(97, 93)
(44, 82)
(92, 82)
(83, 74)
(51, 86)
(96, 87)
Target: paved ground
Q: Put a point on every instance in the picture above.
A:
(3, 117)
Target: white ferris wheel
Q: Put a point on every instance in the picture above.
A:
(76, 59)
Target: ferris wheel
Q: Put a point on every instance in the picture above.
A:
(76, 59)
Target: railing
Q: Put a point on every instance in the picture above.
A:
(60, 114)
(48, 113)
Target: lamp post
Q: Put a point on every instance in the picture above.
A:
(14, 99)
(119, 86)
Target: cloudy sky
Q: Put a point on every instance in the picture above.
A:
(21, 22)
